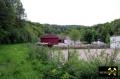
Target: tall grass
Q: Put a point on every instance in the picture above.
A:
(40, 62)
(88, 69)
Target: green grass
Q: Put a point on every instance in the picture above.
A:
(16, 64)
(13, 63)
(15, 53)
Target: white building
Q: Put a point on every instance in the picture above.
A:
(115, 42)
(68, 41)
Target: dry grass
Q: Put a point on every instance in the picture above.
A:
(90, 54)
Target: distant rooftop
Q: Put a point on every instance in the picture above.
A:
(49, 36)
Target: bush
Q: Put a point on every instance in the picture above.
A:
(76, 68)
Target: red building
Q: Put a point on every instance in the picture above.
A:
(50, 39)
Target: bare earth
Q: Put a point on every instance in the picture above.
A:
(85, 53)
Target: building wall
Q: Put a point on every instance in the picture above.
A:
(50, 40)
(115, 42)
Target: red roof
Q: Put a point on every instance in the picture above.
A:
(49, 36)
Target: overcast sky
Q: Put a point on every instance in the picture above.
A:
(69, 12)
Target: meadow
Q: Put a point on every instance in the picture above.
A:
(29, 61)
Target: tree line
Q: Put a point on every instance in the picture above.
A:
(15, 29)
(11, 21)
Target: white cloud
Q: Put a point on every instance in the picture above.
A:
(79, 12)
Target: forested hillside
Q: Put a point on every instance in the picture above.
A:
(88, 34)
(15, 29)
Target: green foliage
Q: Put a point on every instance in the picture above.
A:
(26, 61)
(38, 52)
(14, 28)
(97, 32)
(9, 19)
(89, 35)
(12, 61)
(34, 31)
(29, 61)
(74, 34)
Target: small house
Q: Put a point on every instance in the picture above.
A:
(50, 39)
